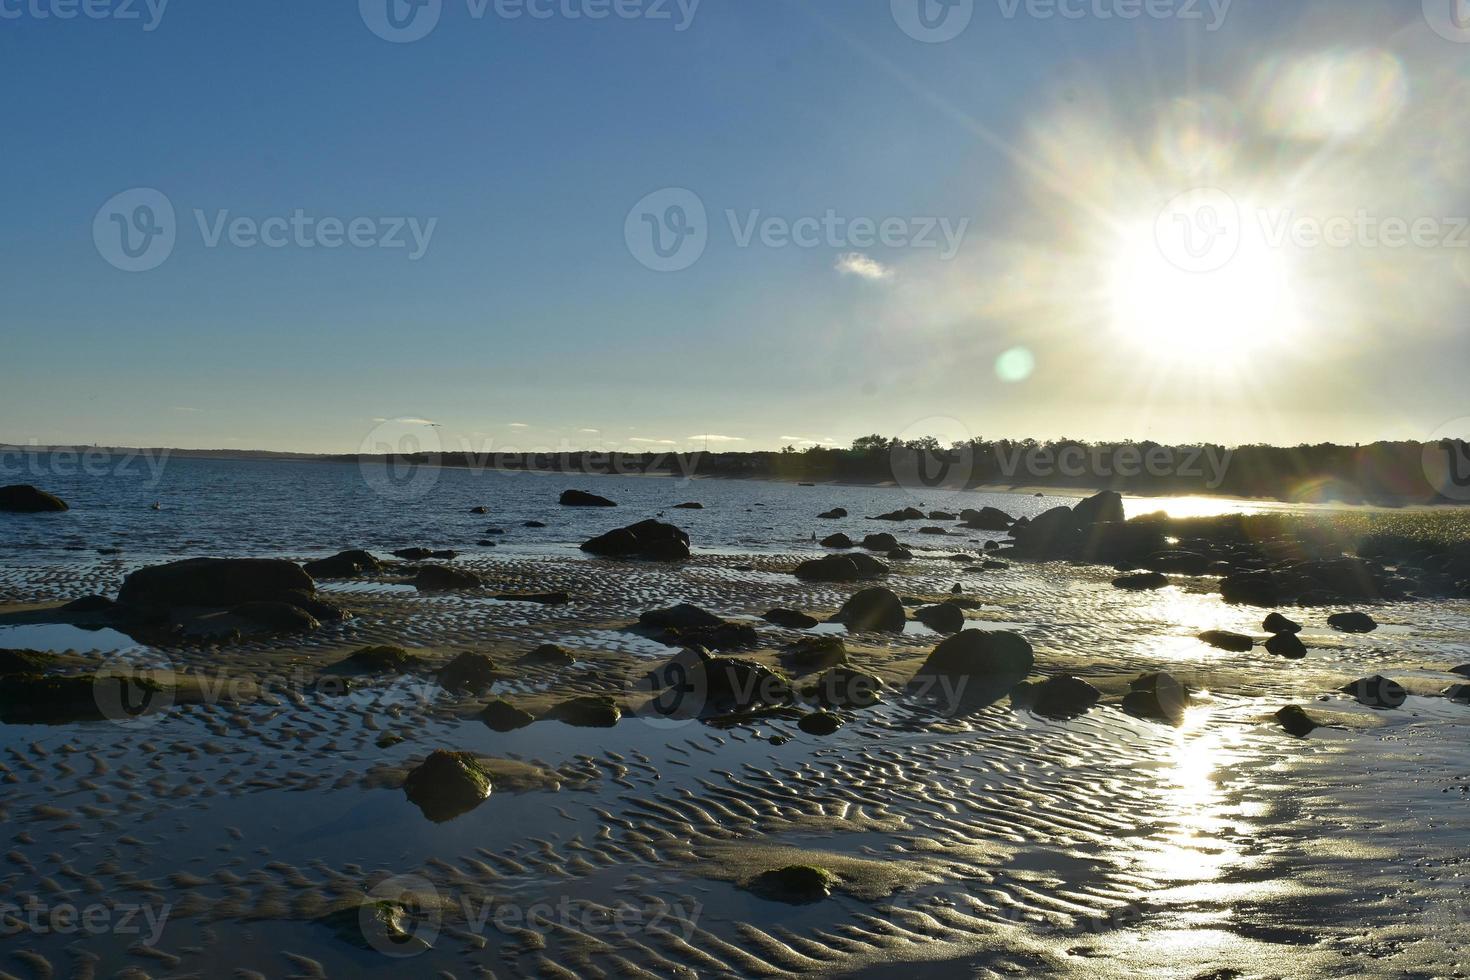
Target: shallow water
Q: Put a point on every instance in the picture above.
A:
(974, 838)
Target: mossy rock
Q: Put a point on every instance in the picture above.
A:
(502, 716)
(593, 711)
(469, 673)
(24, 662)
(549, 655)
(447, 785)
(819, 723)
(379, 660)
(796, 884)
(386, 927)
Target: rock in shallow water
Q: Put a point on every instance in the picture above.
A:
(1063, 697)
(790, 619)
(1277, 623)
(1296, 721)
(447, 785)
(1287, 645)
(347, 564)
(1352, 622)
(26, 499)
(651, 540)
(502, 716)
(592, 711)
(442, 578)
(1142, 582)
(841, 568)
(214, 582)
(1225, 640)
(468, 673)
(794, 885)
(819, 723)
(1158, 697)
(1376, 692)
(997, 654)
(580, 498)
(873, 610)
(943, 617)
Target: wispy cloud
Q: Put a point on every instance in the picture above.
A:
(862, 266)
(590, 431)
(654, 442)
(186, 410)
(519, 425)
(409, 421)
(710, 437)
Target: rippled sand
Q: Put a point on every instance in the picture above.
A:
(978, 839)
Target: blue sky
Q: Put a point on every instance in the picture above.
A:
(523, 144)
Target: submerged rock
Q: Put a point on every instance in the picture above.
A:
(992, 654)
(1277, 623)
(1296, 721)
(580, 498)
(943, 617)
(819, 723)
(797, 884)
(1352, 622)
(447, 785)
(1225, 640)
(835, 514)
(694, 684)
(215, 582)
(468, 673)
(790, 619)
(651, 540)
(26, 499)
(347, 564)
(591, 711)
(502, 716)
(1376, 692)
(1063, 697)
(873, 610)
(442, 578)
(692, 505)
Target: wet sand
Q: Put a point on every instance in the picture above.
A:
(979, 839)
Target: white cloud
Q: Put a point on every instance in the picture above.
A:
(590, 431)
(519, 425)
(185, 409)
(655, 442)
(715, 438)
(863, 266)
(409, 421)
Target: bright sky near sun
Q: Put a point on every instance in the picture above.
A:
(733, 223)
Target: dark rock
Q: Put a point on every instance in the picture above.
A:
(1287, 645)
(310, 604)
(838, 540)
(907, 514)
(998, 654)
(1277, 623)
(835, 514)
(941, 515)
(25, 662)
(502, 716)
(1352, 622)
(845, 687)
(813, 652)
(1376, 692)
(681, 617)
(872, 610)
(447, 785)
(444, 555)
(347, 564)
(794, 885)
(379, 660)
(1250, 589)
(214, 582)
(1459, 693)
(882, 541)
(840, 568)
(26, 499)
(485, 543)
(549, 654)
(90, 604)
(1463, 670)
(819, 723)
(1225, 640)
(579, 498)
(281, 617)
(790, 619)
(479, 510)
(693, 684)
(1157, 697)
(937, 532)
(1101, 508)
(650, 539)
(533, 524)
(1296, 721)
(594, 711)
(468, 673)
(442, 578)
(45, 699)
(900, 554)
(413, 554)
(942, 617)
(1054, 534)
(692, 505)
(1178, 563)
(987, 519)
(994, 565)
(1063, 697)
(1142, 582)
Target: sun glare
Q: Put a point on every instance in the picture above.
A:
(1223, 315)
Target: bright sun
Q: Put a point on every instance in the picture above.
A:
(1194, 305)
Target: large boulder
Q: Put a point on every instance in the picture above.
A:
(838, 540)
(1062, 697)
(694, 684)
(835, 514)
(215, 582)
(442, 578)
(882, 541)
(1053, 534)
(987, 519)
(652, 540)
(348, 564)
(943, 617)
(997, 654)
(447, 784)
(841, 568)
(1142, 582)
(1376, 692)
(1352, 622)
(1102, 508)
(873, 610)
(684, 616)
(689, 626)
(580, 498)
(26, 499)
(790, 619)
(1158, 697)
(1225, 640)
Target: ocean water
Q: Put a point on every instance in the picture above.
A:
(304, 509)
